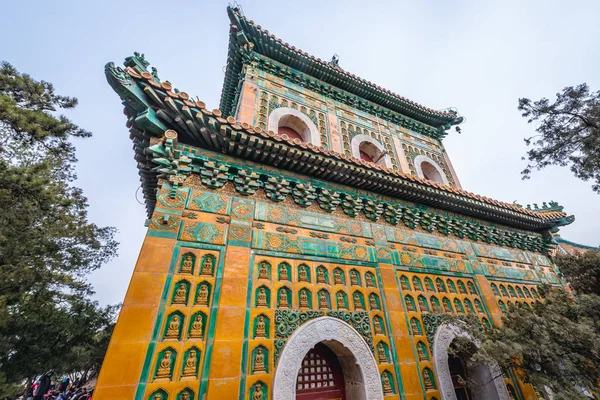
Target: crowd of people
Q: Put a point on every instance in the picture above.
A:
(45, 389)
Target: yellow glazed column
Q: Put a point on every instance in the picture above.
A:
(225, 369)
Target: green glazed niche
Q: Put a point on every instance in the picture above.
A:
(267, 294)
(288, 270)
(161, 356)
(181, 317)
(288, 295)
(308, 295)
(361, 300)
(390, 378)
(186, 284)
(182, 395)
(266, 322)
(255, 389)
(344, 300)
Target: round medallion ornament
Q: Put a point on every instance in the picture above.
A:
(171, 134)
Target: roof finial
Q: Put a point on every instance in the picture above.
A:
(237, 7)
(335, 60)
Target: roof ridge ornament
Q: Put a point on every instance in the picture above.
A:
(138, 62)
(335, 60)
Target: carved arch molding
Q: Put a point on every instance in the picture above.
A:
(311, 133)
(489, 390)
(353, 352)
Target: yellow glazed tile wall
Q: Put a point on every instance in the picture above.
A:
(122, 367)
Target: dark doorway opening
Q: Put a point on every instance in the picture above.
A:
(320, 376)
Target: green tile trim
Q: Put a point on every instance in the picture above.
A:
(161, 234)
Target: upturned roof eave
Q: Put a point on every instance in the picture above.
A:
(158, 108)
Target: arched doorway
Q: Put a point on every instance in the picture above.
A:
(458, 372)
(486, 382)
(320, 376)
(361, 378)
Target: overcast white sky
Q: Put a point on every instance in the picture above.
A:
(473, 55)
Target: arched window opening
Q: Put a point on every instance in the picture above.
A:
(369, 149)
(369, 152)
(294, 128)
(431, 173)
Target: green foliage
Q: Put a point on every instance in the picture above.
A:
(553, 346)
(47, 245)
(568, 133)
(582, 270)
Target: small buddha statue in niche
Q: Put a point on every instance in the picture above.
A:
(164, 368)
(337, 277)
(158, 396)
(369, 279)
(357, 302)
(387, 387)
(429, 286)
(283, 273)
(262, 272)
(303, 299)
(422, 305)
(180, 294)
(260, 327)
(353, 278)
(259, 361)
(190, 364)
(207, 266)
(173, 328)
(202, 299)
(185, 396)
(404, 284)
(421, 353)
(320, 276)
(414, 327)
(196, 330)
(323, 300)
(283, 299)
(440, 286)
(373, 303)
(187, 265)
(381, 354)
(340, 300)
(377, 327)
(261, 300)
(258, 393)
(447, 308)
(303, 276)
(427, 381)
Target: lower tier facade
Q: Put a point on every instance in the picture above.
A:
(241, 297)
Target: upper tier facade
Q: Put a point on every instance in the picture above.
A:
(316, 102)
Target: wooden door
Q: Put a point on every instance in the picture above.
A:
(320, 376)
